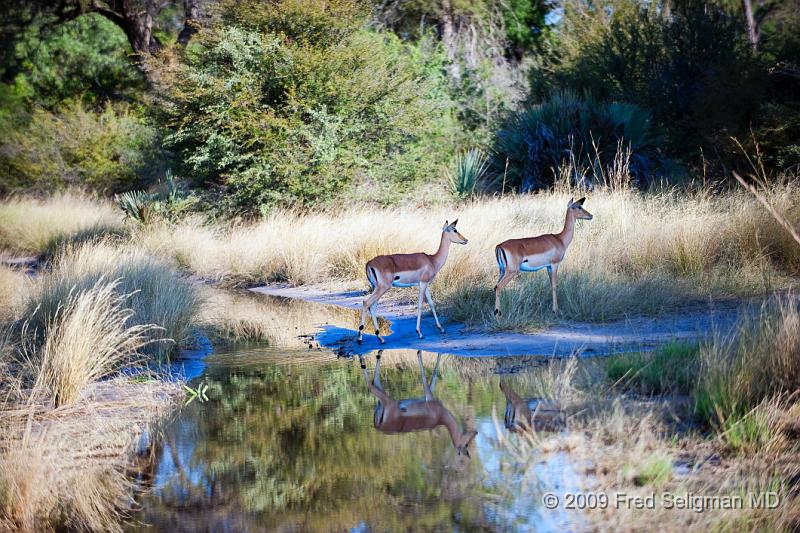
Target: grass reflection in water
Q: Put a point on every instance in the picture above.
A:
(286, 445)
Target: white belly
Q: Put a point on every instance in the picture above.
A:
(532, 263)
(405, 279)
(525, 267)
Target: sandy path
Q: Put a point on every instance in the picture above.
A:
(634, 333)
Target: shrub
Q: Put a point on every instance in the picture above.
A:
(84, 58)
(582, 134)
(290, 103)
(689, 65)
(469, 173)
(107, 150)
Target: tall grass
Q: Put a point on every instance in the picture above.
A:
(154, 292)
(34, 226)
(86, 338)
(12, 287)
(69, 468)
(744, 378)
(641, 253)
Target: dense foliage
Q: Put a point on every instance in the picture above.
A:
(580, 136)
(688, 63)
(109, 150)
(292, 102)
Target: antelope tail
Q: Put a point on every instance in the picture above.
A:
(371, 276)
(500, 254)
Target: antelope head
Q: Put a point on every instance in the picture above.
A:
(452, 234)
(577, 210)
(466, 438)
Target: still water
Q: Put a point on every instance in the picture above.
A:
(287, 441)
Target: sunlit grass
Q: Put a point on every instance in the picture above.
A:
(642, 253)
(156, 293)
(35, 226)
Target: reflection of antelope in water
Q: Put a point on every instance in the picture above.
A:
(414, 414)
(533, 413)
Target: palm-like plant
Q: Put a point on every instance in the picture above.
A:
(470, 170)
(137, 205)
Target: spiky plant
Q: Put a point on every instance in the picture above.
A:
(470, 170)
(137, 205)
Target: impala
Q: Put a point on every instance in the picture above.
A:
(535, 253)
(406, 270)
(414, 414)
(533, 413)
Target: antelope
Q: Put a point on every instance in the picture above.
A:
(535, 253)
(414, 414)
(533, 413)
(406, 270)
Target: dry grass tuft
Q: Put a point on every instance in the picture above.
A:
(155, 293)
(746, 378)
(745, 385)
(70, 467)
(13, 285)
(86, 338)
(34, 226)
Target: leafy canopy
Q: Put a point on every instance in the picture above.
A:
(291, 102)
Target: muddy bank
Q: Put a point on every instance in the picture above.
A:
(633, 333)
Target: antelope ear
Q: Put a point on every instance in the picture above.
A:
(569, 204)
(580, 202)
(446, 224)
(454, 223)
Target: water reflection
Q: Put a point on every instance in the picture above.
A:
(414, 414)
(287, 441)
(539, 414)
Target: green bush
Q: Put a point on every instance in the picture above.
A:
(689, 64)
(108, 150)
(290, 103)
(582, 135)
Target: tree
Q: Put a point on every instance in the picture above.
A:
(136, 18)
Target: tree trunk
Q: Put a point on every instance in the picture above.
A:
(135, 18)
(191, 10)
(449, 38)
(752, 26)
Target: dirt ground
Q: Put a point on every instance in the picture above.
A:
(632, 333)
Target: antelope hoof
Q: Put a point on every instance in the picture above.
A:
(497, 312)
(441, 330)
(378, 334)
(419, 333)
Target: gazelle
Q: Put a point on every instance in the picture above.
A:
(533, 413)
(406, 270)
(414, 414)
(535, 253)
